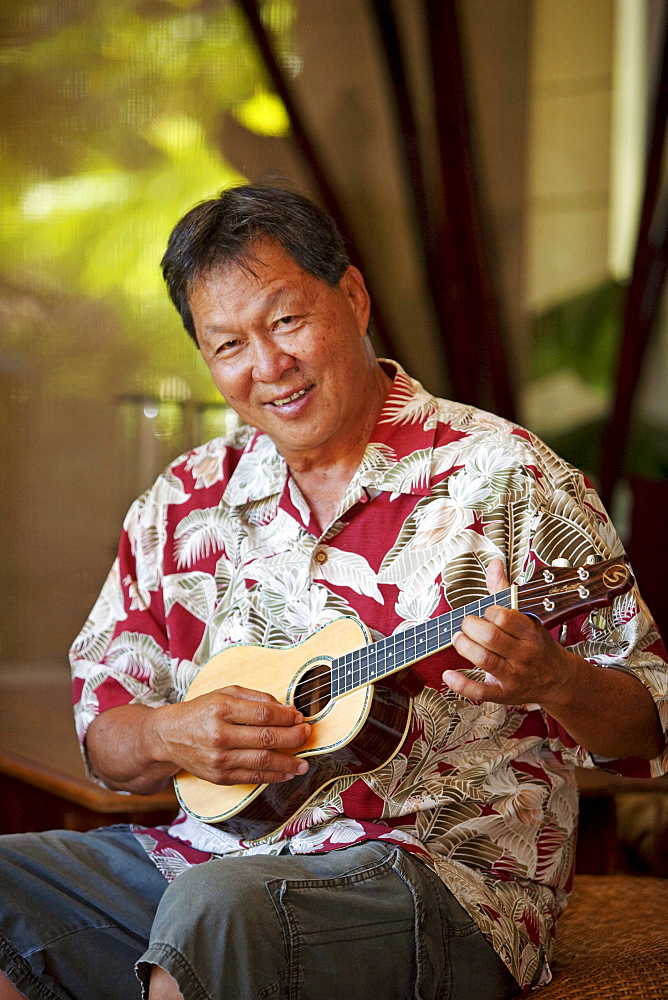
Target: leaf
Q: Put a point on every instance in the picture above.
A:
(408, 403)
(134, 656)
(200, 533)
(297, 498)
(509, 529)
(566, 531)
(417, 606)
(196, 592)
(412, 471)
(348, 569)
(109, 609)
(464, 579)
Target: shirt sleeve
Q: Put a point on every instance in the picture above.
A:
(121, 654)
(566, 520)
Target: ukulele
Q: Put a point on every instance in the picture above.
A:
(349, 688)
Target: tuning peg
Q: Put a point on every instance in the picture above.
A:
(590, 560)
(561, 562)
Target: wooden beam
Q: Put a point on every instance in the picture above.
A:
(410, 155)
(475, 341)
(643, 294)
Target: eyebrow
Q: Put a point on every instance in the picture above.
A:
(267, 303)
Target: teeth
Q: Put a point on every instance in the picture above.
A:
(289, 399)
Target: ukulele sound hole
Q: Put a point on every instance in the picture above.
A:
(313, 692)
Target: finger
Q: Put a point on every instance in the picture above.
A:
(257, 711)
(238, 691)
(499, 631)
(251, 694)
(246, 777)
(473, 690)
(495, 577)
(252, 767)
(266, 737)
(515, 624)
(481, 655)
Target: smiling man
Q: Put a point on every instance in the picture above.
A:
(433, 858)
(291, 354)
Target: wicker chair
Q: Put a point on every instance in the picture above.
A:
(612, 941)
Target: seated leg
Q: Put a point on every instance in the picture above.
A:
(75, 913)
(342, 924)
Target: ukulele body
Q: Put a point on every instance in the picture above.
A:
(354, 734)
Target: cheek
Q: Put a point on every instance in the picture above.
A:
(230, 384)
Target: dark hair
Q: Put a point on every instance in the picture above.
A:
(222, 231)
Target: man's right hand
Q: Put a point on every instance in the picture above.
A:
(234, 736)
(231, 736)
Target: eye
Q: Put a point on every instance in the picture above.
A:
(227, 346)
(285, 322)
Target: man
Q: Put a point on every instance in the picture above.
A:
(350, 491)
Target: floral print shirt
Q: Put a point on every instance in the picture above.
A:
(223, 549)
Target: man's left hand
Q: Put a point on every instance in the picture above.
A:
(523, 664)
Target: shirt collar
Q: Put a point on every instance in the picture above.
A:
(397, 458)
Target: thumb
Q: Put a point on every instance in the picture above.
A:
(495, 577)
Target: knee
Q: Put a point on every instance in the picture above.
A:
(215, 887)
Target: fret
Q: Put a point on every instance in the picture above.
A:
(399, 648)
(433, 635)
(390, 658)
(388, 655)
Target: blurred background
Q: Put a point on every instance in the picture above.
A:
(498, 169)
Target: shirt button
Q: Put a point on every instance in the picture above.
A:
(321, 557)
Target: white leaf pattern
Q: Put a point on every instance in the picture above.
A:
(196, 592)
(348, 569)
(198, 534)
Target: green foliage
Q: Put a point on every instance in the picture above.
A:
(111, 115)
(647, 452)
(581, 333)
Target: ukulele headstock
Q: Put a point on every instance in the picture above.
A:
(557, 593)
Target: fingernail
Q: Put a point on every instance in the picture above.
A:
(303, 767)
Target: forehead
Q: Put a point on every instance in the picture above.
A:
(266, 266)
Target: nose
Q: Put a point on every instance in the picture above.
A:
(270, 361)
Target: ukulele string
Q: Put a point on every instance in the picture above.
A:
(536, 586)
(312, 687)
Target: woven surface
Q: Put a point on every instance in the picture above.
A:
(612, 941)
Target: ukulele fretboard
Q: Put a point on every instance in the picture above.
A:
(389, 655)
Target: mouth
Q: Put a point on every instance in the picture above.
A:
(285, 400)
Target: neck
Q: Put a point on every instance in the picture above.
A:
(323, 480)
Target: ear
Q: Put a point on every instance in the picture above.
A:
(353, 287)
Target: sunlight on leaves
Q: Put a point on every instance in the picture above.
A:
(111, 116)
(264, 114)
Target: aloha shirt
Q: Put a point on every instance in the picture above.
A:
(223, 549)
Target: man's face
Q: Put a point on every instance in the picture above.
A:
(288, 352)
